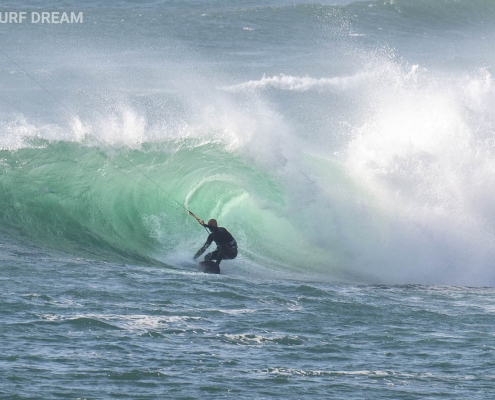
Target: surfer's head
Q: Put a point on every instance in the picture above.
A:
(213, 222)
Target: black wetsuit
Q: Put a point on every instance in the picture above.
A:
(226, 245)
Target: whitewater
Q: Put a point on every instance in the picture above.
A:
(347, 145)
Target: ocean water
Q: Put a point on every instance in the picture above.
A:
(347, 145)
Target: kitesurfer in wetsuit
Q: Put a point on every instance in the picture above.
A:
(226, 244)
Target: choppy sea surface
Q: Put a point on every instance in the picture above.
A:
(347, 146)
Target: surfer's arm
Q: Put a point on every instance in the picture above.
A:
(205, 246)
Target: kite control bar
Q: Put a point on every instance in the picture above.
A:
(201, 222)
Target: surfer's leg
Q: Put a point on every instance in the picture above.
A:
(220, 254)
(212, 255)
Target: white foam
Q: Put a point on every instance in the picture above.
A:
(18, 133)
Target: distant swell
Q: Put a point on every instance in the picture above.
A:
(300, 84)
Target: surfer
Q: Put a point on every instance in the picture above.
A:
(226, 244)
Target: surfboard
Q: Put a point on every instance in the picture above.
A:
(210, 267)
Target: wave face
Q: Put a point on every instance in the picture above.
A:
(332, 143)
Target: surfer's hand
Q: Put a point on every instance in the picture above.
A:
(201, 222)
